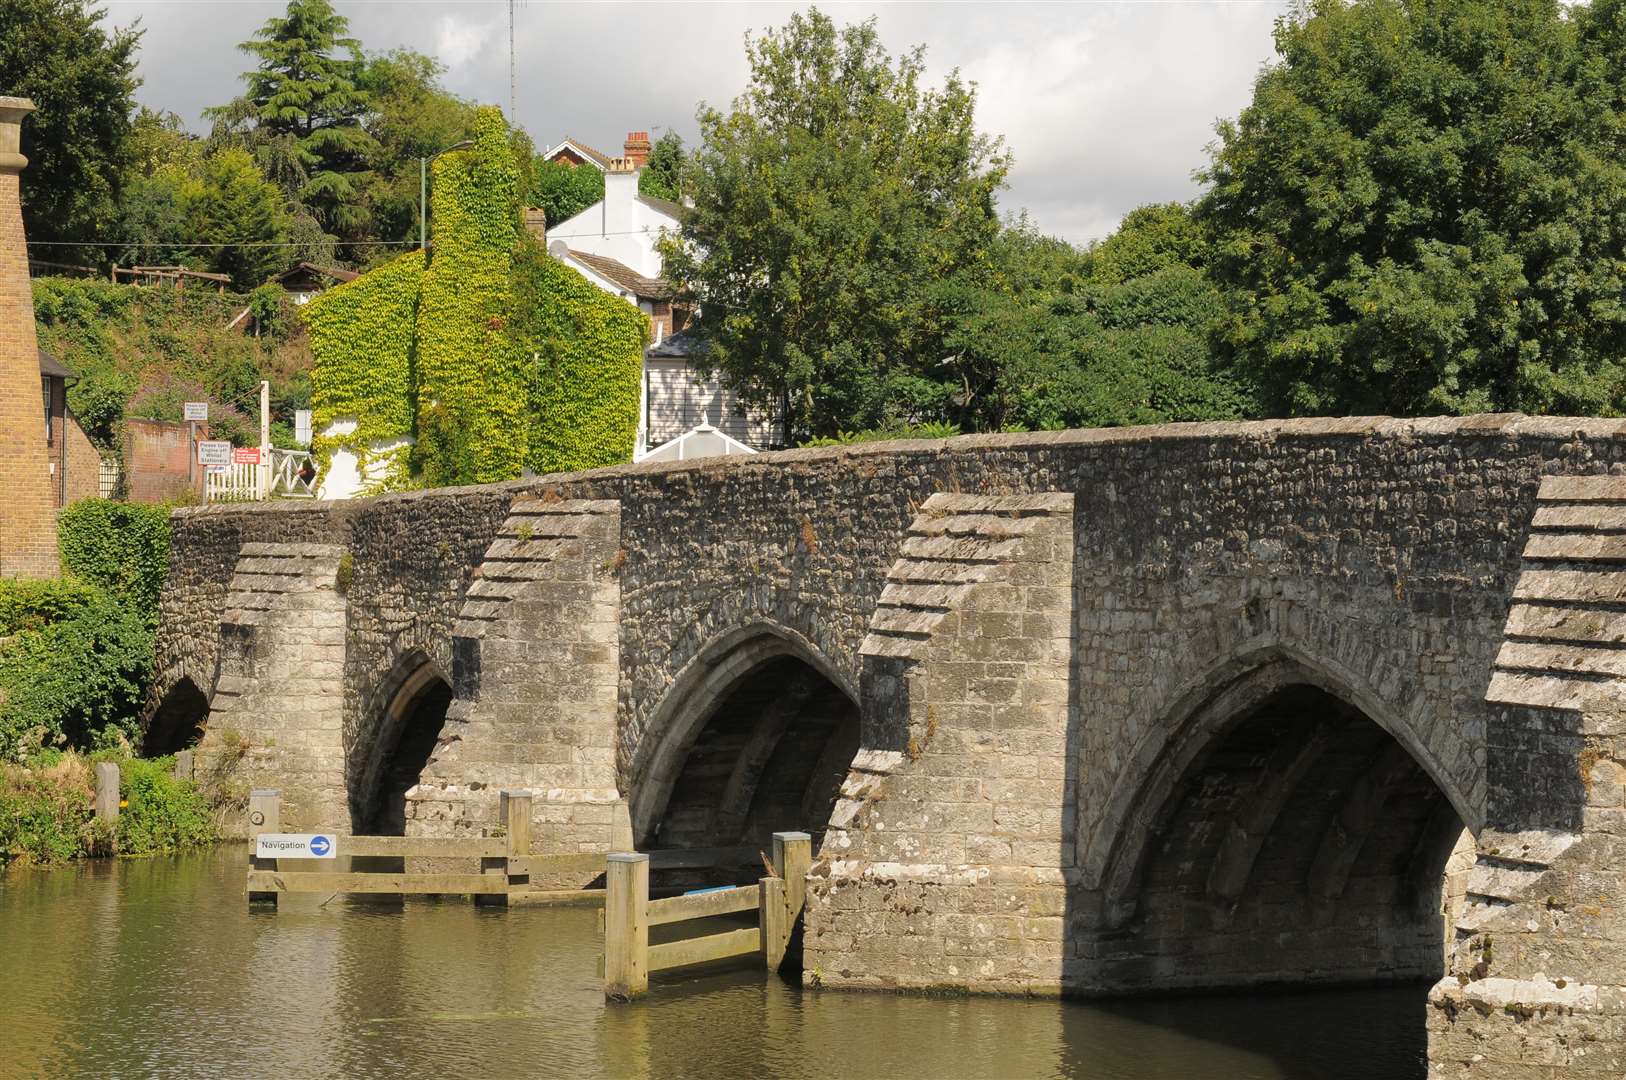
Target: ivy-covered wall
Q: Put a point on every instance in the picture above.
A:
(586, 350)
(362, 334)
(487, 353)
(471, 383)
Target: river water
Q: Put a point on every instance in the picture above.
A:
(156, 968)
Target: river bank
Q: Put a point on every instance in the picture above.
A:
(171, 974)
(47, 809)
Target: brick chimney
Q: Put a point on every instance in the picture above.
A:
(27, 513)
(636, 149)
(536, 223)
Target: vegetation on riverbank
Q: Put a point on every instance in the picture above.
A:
(47, 810)
(76, 652)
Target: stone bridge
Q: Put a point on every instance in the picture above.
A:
(1081, 712)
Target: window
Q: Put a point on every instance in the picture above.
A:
(45, 385)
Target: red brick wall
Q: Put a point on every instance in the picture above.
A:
(28, 510)
(156, 457)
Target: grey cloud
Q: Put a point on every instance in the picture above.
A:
(1104, 106)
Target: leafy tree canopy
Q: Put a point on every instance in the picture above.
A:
(302, 111)
(1424, 210)
(828, 202)
(563, 190)
(662, 176)
(81, 77)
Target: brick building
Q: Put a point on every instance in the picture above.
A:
(28, 512)
(72, 463)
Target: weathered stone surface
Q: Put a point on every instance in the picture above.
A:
(1122, 694)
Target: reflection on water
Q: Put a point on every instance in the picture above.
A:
(156, 968)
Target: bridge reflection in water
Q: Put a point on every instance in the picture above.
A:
(174, 978)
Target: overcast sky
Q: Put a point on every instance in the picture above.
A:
(1106, 105)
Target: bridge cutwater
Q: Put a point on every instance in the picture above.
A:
(1102, 712)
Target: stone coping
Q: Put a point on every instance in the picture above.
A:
(1482, 425)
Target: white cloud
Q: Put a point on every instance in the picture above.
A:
(458, 41)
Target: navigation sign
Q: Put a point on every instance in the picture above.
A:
(246, 455)
(214, 452)
(194, 410)
(295, 846)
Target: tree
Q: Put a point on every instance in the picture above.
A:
(662, 176)
(826, 203)
(82, 79)
(411, 116)
(302, 113)
(563, 190)
(231, 204)
(1423, 210)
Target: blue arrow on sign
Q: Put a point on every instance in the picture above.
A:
(320, 845)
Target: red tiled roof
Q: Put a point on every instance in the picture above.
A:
(598, 156)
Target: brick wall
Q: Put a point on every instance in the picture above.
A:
(157, 457)
(27, 514)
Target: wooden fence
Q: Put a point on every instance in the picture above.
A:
(506, 864)
(629, 958)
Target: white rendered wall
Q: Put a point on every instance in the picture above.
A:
(344, 477)
(620, 227)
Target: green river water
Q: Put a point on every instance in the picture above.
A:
(155, 968)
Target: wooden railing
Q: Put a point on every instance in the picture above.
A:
(244, 481)
(629, 958)
(506, 864)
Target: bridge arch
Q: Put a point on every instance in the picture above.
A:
(411, 701)
(1283, 805)
(759, 713)
(178, 720)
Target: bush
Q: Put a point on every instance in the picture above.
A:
(78, 679)
(122, 547)
(160, 813)
(47, 810)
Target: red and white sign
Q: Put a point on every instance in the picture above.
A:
(245, 455)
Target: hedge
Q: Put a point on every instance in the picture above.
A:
(588, 350)
(121, 547)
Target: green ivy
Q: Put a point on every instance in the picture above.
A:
(122, 547)
(588, 349)
(489, 354)
(362, 334)
(471, 382)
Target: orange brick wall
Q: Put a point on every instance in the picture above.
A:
(84, 464)
(27, 512)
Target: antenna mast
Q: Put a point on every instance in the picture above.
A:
(513, 107)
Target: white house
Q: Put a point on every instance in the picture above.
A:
(612, 244)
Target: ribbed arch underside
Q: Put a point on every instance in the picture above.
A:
(178, 721)
(770, 757)
(411, 725)
(1304, 843)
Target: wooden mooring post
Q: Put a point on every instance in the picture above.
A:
(514, 812)
(107, 791)
(626, 926)
(629, 913)
(264, 816)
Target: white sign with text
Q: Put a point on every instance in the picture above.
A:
(295, 846)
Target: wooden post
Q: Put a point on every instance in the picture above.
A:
(264, 816)
(783, 896)
(517, 805)
(792, 858)
(773, 918)
(183, 765)
(514, 812)
(107, 791)
(626, 926)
